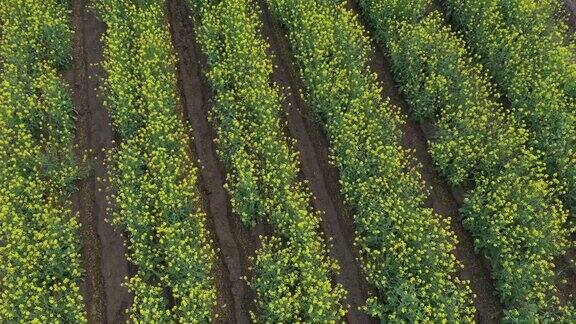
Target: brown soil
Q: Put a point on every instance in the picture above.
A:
(236, 243)
(443, 199)
(322, 177)
(570, 257)
(569, 16)
(567, 284)
(571, 7)
(103, 254)
(566, 269)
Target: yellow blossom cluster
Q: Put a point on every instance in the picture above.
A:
(406, 249)
(40, 268)
(522, 45)
(156, 201)
(292, 273)
(545, 18)
(513, 210)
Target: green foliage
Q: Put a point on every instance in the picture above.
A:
(533, 69)
(156, 200)
(518, 224)
(39, 250)
(289, 279)
(149, 304)
(292, 271)
(406, 250)
(541, 20)
(513, 210)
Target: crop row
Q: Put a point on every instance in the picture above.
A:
(539, 19)
(39, 249)
(478, 144)
(156, 199)
(406, 249)
(532, 69)
(292, 271)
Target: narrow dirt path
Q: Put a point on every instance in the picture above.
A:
(93, 284)
(443, 199)
(571, 6)
(567, 284)
(236, 243)
(104, 253)
(570, 16)
(322, 178)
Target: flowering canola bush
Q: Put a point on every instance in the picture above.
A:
(39, 249)
(406, 249)
(156, 199)
(292, 271)
(533, 69)
(480, 145)
(541, 19)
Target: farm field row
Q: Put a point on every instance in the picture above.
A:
(287, 161)
(291, 270)
(534, 69)
(405, 249)
(152, 171)
(484, 146)
(40, 269)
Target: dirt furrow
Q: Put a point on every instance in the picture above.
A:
(236, 243)
(322, 177)
(567, 284)
(570, 17)
(571, 6)
(103, 251)
(443, 199)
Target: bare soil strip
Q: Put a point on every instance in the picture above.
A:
(236, 243)
(322, 178)
(571, 6)
(567, 284)
(103, 248)
(92, 286)
(570, 17)
(443, 199)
